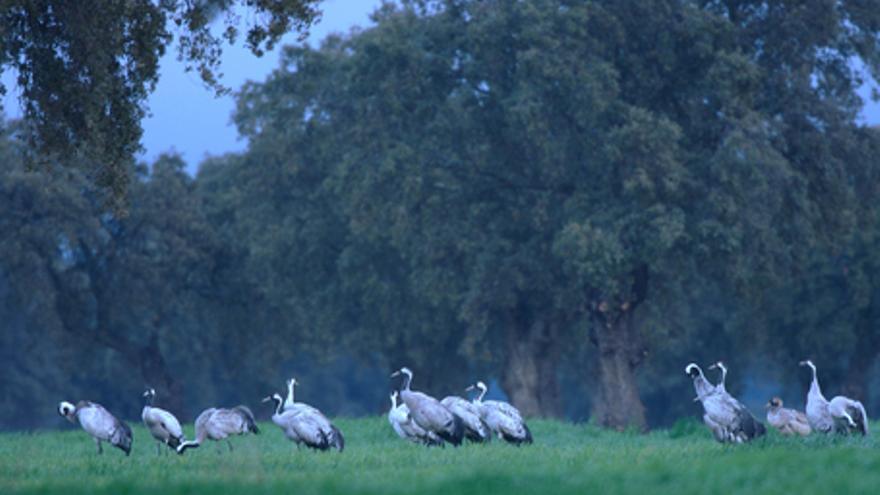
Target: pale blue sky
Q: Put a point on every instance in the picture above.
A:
(189, 119)
(186, 117)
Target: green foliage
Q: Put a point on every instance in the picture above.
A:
(566, 458)
(92, 282)
(528, 170)
(85, 69)
(602, 191)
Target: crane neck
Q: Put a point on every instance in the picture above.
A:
(278, 404)
(481, 394)
(702, 386)
(407, 379)
(814, 385)
(290, 392)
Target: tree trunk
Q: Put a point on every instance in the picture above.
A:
(620, 352)
(529, 376)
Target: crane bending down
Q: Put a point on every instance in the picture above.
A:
(219, 424)
(99, 423)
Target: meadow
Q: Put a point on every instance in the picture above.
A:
(566, 458)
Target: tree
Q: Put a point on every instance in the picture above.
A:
(85, 69)
(545, 169)
(828, 312)
(104, 282)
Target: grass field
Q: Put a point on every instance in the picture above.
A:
(565, 458)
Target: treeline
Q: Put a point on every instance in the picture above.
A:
(573, 198)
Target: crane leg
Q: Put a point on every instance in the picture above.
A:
(98, 444)
(229, 444)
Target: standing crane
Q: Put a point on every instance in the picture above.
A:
(403, 424)
(501, 417)
(475, 429)
(428, 412)
(841, 414)
(729, 420)
(305, 427)
(164, 427)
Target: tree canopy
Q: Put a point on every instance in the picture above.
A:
(544, 169)
(84, 69)
(573, 199)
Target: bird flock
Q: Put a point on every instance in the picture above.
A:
(419, 418)
(424, 420)
(731, 422)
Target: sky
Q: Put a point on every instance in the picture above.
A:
(187, 118)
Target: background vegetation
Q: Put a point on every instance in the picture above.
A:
(572, 199)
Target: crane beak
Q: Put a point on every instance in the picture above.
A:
(266, 399)
(396, 373)
(470, 387)
(802, 363)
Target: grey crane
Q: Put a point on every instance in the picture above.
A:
(219, 424)
(787, 421)
(475, 429)
(429, 413)
(841, 414)
(502, 418)
(704, 389)
(290, 404)
(403, 424)
(99, 423)
(312, 429)
(729, 420)
(161, 424)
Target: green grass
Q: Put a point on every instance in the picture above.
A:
(565, 458)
